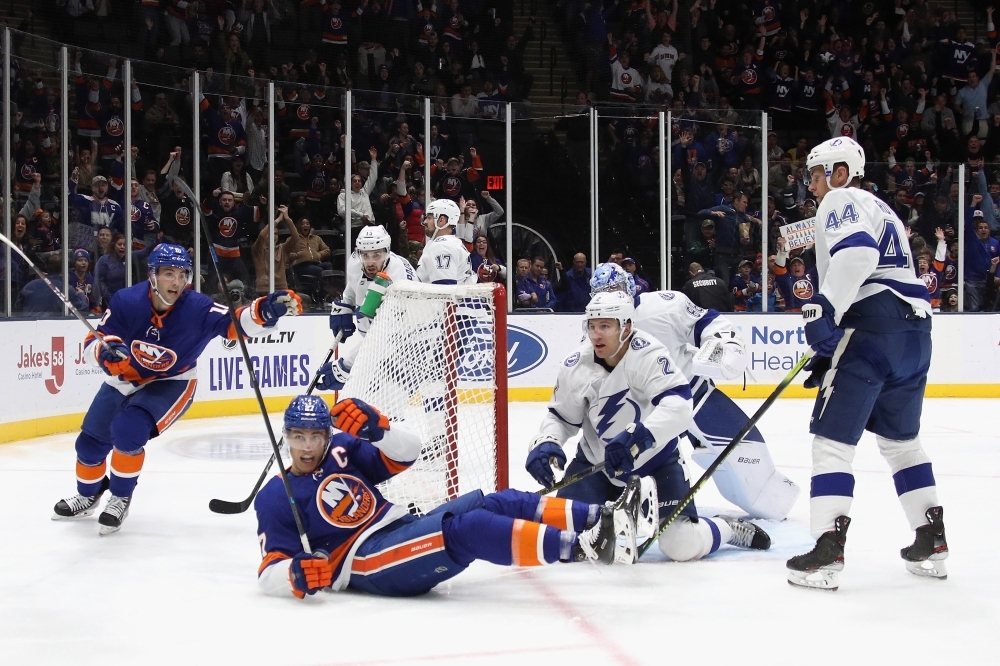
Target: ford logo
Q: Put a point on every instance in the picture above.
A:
(525, 351)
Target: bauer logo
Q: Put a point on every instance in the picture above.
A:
(525, 351)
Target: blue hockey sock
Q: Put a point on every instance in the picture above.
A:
(483, 535)
(130, 431)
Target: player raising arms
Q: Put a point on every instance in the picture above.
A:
(623, 390)
(705, 346)
(363, 542)
(445, 259)
(370, 258)
(870, 327)
(152, 334)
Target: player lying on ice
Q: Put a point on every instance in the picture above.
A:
(623, 390)
(361, 541)
(151, 337)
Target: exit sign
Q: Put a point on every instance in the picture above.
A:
(494, 182)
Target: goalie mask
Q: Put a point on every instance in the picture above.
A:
(835, 151)
(612, 277)
(373, 249)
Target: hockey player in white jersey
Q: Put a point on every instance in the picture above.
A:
(706, 346)
(622, 389)
(370, 257)
(870, 327)
(445, 259)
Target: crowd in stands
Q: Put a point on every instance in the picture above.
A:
(901, 76)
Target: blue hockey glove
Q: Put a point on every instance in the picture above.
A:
(822, 332)
(620, 453)
(541, 458)
(333, 376)
(276, 305)
(342, 319)
(309, 573)
(113, 355)
(359, 419)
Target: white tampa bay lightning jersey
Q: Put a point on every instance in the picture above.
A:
(644, 387)
(678, 324)
(862, 249)
(446, 261)
(356, 289)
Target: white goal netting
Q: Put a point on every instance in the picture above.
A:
(430, 358)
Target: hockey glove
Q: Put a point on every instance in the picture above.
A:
(722, 356)
(822, 333)
(342, 319)
(359, 419)
(332, 376)
(309, 573)
(545, 452)
(113, 355)
(276, 305)
(817, 366)
(620, 453)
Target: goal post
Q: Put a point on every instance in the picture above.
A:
(436, 357)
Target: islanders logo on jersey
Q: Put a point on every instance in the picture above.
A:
(345, 501)
(227, 226)
(452, 186)
(318, 184)
(803, 289)
(27, 171)
(930, 279)
(903, 130)
(226, 135)
(153, 357)
(303, 112)
(136, 213)
(335, 23)
(626, 79)
(950, 271)
(114, 126)
(749, 77)
(183, 216)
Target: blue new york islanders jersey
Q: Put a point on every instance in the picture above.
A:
(164, 346)
(339, 503)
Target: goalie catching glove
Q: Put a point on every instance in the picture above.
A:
(113, 355)
(620, 453)
(544, 454)
(308, 574)
(722, 356)
(268, 309)
(359, 419)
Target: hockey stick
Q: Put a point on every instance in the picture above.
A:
(62, 296)
(665, 523)
(583, 474)
(222, 506)
(246, 359)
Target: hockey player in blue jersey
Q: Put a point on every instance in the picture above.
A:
(870, 328)
(361, 541)
(706, 346)
(626, 395)
(150, 338)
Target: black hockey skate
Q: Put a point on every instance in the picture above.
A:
(78, 506)
(598, 543)
(819, 568)
(114, 514)
(927, 554)
(747, 534)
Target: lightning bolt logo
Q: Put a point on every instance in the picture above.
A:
(612, 406)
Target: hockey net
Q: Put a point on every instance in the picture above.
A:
(436, 357)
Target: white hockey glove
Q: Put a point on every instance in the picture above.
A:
(723, 356)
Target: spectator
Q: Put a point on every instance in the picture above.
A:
(796, 284)
(641, 286)
(110, 271)
(526, 298)
(309, 254)
(982, 254)
(36, 299)
(487, 267)
(237, 181)
(282, 251)
(706, 290)
(574, 285)
(728, 221)
(82, 280)
(538, 287)
(362, 184)
(745, 287)
(473, 223)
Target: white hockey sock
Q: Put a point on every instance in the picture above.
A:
(832, 487)
(913, 477)
(686, 541)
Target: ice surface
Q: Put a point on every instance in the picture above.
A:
(178, 583)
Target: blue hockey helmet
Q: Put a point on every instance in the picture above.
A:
(308, 411)
(612, 277)
(168, 254)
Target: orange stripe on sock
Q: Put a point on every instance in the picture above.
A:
(126, 465)
(524, 543)
(90, 473)
(555, 513)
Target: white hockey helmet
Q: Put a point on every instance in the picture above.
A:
(445, 207)
(611, 305)
(373, 237)
(834, 151)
